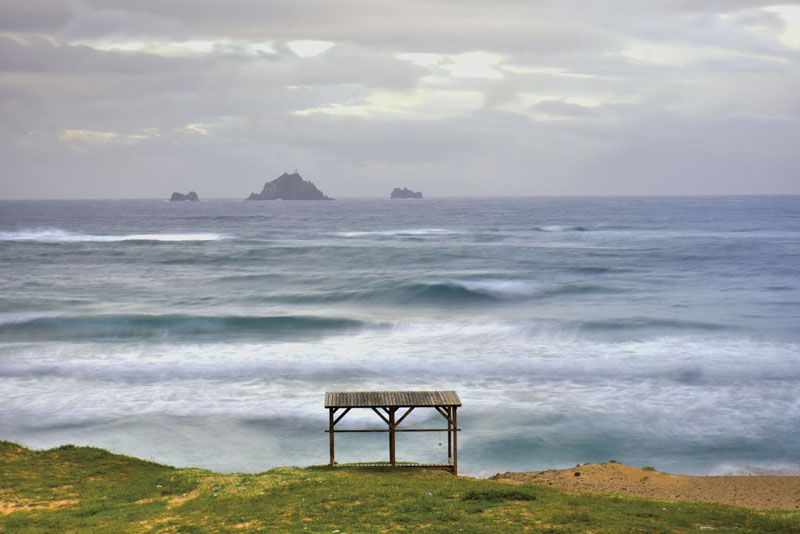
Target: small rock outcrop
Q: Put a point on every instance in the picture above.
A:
(405, 193)
(289, 187)
(179, 197)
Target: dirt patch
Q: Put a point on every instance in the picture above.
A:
(177, 500)
(248, 525)
(8, 507)
(762, 492)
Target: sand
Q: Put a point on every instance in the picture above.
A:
(762, 492)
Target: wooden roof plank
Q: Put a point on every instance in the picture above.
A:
(368, 399)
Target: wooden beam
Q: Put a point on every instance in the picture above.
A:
(381, 416)
(396, 430)
(455, 443)
(392, 424)
(330, 420)
(404, 416)
(340, 416)
(444, 413)
(449, 436)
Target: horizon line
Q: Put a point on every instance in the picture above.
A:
(432, 197)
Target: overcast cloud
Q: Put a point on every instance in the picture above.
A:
(139, 98)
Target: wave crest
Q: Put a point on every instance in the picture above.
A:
(646, 323)
(560, 228)
(63, 236)
(410, 232)
(173, 327)
(442, 293)
(465, 290)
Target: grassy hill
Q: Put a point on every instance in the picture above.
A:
(83, 489)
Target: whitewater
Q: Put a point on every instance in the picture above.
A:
(651, 331)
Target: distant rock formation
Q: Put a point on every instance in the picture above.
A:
(289, 187)
(405, 193)
(181, 197)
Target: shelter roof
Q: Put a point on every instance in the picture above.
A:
(368, 399)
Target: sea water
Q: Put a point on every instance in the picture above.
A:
(652, 331)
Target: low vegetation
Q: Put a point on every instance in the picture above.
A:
(82, 489)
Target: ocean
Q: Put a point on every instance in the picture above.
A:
(656, 331)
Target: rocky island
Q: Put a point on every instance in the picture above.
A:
(289, 187)
(179, 197)
(405, 193)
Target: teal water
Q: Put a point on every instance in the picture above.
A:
(653, 331)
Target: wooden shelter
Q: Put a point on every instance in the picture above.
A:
(387, 404)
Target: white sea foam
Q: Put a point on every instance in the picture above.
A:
(783, 469)
(561, 228)
(502, 289)
(497, 364)
(22, 317)
(63, 236)
(398, 233)
(550, 385)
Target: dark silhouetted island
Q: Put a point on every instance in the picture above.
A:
(179, 197)
(405, 193)
(289, 187)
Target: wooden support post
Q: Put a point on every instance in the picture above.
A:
(392, 425)
(330, 431)
(449, 435)
(455, 442)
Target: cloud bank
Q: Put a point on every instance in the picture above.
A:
(115, 99)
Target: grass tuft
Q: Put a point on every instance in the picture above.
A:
(500, 494)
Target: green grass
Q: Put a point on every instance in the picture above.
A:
(82, 489)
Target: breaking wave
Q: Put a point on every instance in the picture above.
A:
(466, 290)
(63, 236)
(411, 232)
(644, 323)
(444, 293)
(172, 327)
(560, 228)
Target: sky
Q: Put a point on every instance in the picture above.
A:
(140, 98)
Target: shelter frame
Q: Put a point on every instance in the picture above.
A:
(393, 407)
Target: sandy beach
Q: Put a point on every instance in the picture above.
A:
(761, 492)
